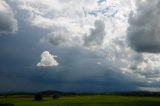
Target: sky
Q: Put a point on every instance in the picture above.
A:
(79, 45)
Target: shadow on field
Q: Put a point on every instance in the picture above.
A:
(147, 103)
(6, 104)
(137, 103)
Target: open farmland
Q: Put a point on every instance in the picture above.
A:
(98, 100)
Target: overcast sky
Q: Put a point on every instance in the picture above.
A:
(79, 45)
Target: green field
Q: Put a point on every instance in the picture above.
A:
(85, 101)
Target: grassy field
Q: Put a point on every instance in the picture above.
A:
(86, 101)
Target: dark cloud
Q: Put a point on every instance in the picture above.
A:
(143, 32)
(8, 23)
(96, 35)
(77, 71)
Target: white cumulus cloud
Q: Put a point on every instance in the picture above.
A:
(70, 20)
(47, 60)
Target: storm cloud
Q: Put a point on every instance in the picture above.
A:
(8, 22)
(144, 29)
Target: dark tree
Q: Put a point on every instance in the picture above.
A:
(38, 97)
(55, 96)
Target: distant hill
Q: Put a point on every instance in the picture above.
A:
(53, 92)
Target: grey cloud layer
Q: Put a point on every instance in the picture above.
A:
(8, 23)
(97, 34)
(144, 29)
